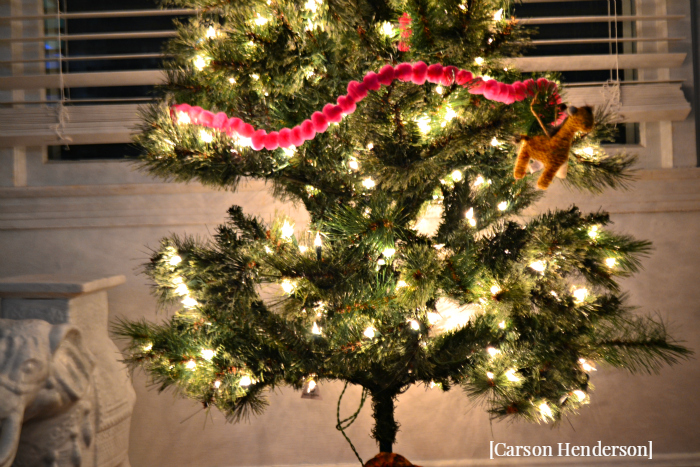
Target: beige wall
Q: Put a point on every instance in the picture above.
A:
(106, 230)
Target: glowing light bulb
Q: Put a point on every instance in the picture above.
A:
(492, 351)
(368, 183)
(205, 136)
(457, 176)
(353, 164)
(315, 329)
(369, 332)
(217, 384)
(200, 62)
(415, 325)
(318, 243)
(498, 15)
(287, 286)
(511, 376)
(245, 381)
(268, 250)
(580, 295)
(388, 252)
(502, 325)
(593, 232)
(588, 151)
(381, 262)
(147, 347)
(580, 395)
(182, 290)
(183, 118)
(479, 61)
(175, 260)
(289, 152)
(303, 248)
(489, 375)
(370, 146)
(211, 33)
(311, 5)
(503, 205)
(191, 365)
(495, 142)
(463, 7)
(610, 262)
(260, 20)
(439, 89)
(432, 384)
(387, 29)
(545, 410)
(495, 289)
(423, 124)
(189, 302)
(450, 114)
(538, 266)
(255, 76)
(587, 367)
(287, 230)
(401, 284)
(232, 80)
(311, 386)
(469, 214)
(207, 354)
(479, 181)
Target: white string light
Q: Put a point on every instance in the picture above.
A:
(191, 365)
(387, 29)
(200, 62)
(457, 176)
(580, 295)
(287, 230)
(580, 395)
(511, 376)
(470, 217)
(479, 61)
(205, 136)
(593, 232)
(369, 332)
(315, 330)
(495, 142)
(492, 351)
(189, 302)
(368, 183)
(207, 354)
(423, 124)
(288, 286)
(245, 381)
(610, 262)
(495, 289)
(545, 410)
(538, 266)
(503, 205)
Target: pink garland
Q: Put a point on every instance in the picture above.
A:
(417, 73)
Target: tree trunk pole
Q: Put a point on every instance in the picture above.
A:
(385, 427)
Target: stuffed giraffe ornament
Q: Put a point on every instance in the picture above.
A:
(552, 148)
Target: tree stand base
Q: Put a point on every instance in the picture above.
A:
(386, 459)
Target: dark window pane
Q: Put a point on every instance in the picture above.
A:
(86, 152)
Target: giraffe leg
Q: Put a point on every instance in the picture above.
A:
(547, 176)
(521, 163)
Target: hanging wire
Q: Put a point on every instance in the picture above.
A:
(611, 88)
(343, 424)
(62, 112)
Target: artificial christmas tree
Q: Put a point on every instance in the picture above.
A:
(369, 113)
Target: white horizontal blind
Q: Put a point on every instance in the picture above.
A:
(632, 49)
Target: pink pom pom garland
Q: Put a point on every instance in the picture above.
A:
(417, 73)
